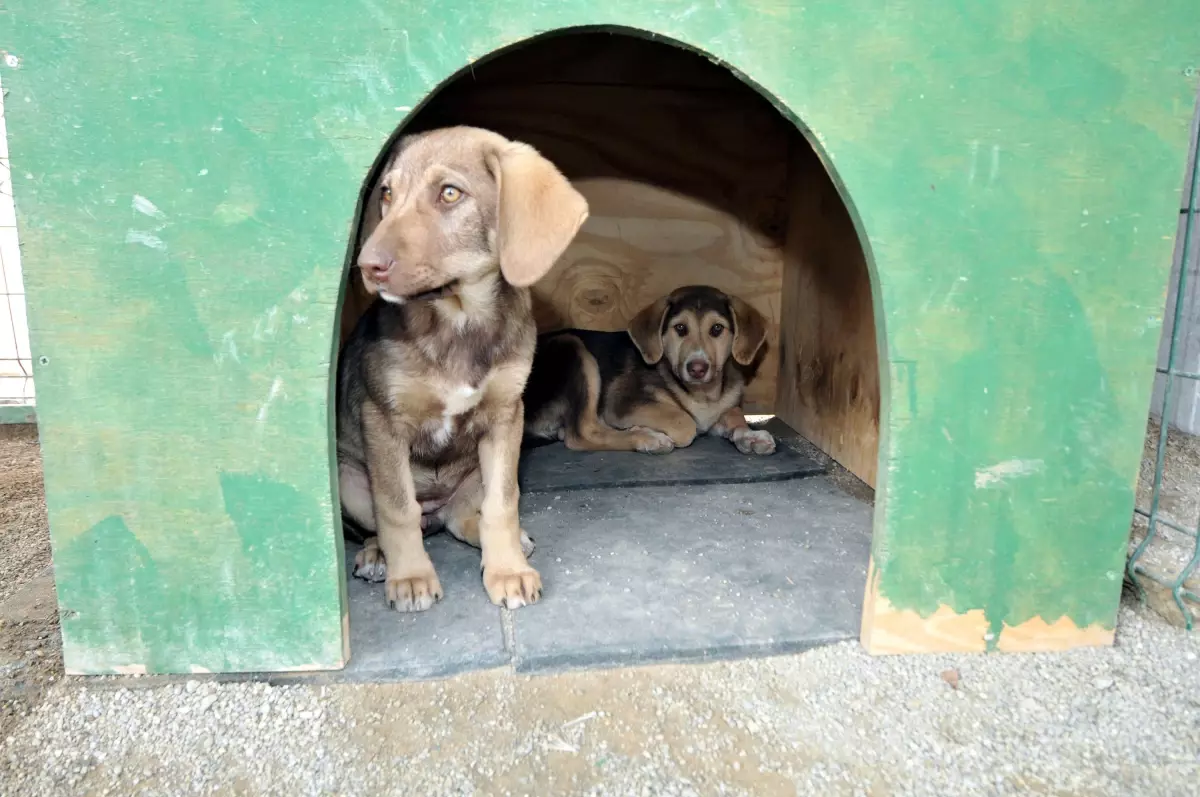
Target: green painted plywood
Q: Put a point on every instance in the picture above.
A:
(186, 178)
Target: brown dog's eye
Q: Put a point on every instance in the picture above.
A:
(450, 194)
(681, 329)
(716, 330)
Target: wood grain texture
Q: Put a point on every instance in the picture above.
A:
(829, 361)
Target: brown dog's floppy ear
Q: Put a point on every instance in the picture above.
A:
(645, 329)
(749, 331)
(538, 215)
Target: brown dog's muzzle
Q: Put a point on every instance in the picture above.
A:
(392, 263)
(376, 267)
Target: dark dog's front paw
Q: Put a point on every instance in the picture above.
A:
(754, 441)
(650, 441)
(527, 544)
(369, 563)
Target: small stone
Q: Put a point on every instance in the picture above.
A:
(207, 701)
(1103, 682)
(191, 686)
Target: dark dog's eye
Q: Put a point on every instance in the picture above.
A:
(450, 194)
(385, 194)
(681, 329)
(716, 330)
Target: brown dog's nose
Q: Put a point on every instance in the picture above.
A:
(697, 369)
(375, 270)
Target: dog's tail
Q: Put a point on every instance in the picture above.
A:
(530, 442)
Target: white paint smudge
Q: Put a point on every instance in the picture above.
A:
(265, 325)
(1001, 472)
(228, 349)
(276, 386)
(145, 239)
(994, 172)
(416, 63)
(974, 159)
(145, 206)
(375, 11)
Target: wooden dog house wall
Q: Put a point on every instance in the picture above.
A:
(186, 176)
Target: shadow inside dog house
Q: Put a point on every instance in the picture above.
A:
(692, 177)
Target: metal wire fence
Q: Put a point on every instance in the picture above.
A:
(1163, 562)
(16, 366)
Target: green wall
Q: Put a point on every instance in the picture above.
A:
(186, 176)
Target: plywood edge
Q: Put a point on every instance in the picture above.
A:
(888, 630)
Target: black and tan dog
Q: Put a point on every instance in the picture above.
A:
(429, 409)
(656, 386)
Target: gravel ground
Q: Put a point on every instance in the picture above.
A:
(833, 721)
(1117, 721)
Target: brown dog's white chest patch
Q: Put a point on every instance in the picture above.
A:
(456, 402)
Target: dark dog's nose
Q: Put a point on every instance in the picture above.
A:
(697, 369)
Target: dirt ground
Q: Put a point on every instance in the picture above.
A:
(30, 647)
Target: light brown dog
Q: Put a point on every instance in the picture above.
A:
(429, 409)
(656, 386)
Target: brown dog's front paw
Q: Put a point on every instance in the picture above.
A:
(752, 441)
(512, 587)
(650, 441)
(369, 564)
(414, 593)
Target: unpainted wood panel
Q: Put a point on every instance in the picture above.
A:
(829, 363)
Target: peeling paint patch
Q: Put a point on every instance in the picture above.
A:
(1038, 636)
(1001, 472)
(145, 239)
(130, 669)
(146, 207)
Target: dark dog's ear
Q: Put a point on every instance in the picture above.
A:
(538, 215)
(749, 331)
(646, 330)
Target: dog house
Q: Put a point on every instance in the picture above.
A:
(959, 222)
